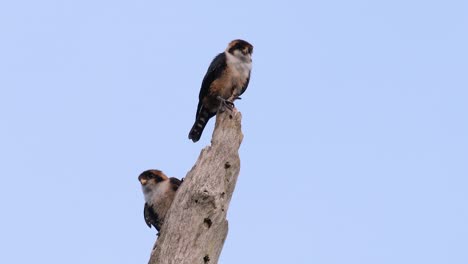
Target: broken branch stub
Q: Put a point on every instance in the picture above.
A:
(195, 227)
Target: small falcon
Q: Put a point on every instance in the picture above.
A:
(159, 192)
(226, 79)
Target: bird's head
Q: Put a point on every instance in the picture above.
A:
(241, 49)
(151, 177)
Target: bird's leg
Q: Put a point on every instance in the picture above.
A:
(225, 104)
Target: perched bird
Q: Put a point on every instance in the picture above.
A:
(226, 79)
(159, 192)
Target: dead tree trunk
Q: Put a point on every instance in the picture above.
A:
(195, 227)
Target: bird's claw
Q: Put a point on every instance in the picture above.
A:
(225, 104)
(229, 105)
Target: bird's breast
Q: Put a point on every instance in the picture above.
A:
(239, 72)
(240, 69)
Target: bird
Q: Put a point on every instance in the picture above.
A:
(159, 192)
(225, 80)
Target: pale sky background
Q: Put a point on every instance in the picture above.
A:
(355, 124)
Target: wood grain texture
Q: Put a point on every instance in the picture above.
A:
(195, 227)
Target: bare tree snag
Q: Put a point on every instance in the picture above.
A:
(195, 226)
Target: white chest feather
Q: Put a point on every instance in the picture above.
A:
(240, 65)
(157, 193)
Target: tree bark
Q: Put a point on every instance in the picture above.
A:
(195, 226)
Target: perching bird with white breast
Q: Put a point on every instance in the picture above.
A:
(159, 192)
(226, 79)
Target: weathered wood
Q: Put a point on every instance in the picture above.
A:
(195, 227)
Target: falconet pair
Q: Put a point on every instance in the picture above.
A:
(225, 81)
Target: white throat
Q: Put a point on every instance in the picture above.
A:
(240, 62)
(152, 195)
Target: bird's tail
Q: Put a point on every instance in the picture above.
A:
(199, 125)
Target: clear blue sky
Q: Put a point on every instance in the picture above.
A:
(355, 123)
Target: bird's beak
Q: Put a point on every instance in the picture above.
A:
(143, 181)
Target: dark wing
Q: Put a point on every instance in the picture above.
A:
(245, 85)
(175, 183)
(215, 70)
(151, 218)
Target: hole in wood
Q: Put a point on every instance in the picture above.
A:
(206, 259)
(207, 222)
(227, 165)
(230, 116)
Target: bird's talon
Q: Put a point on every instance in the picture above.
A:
(225, 104)
(229, 105)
